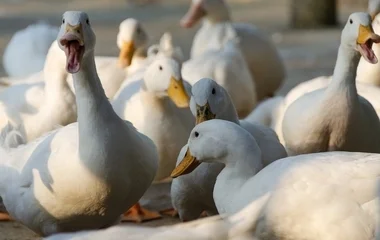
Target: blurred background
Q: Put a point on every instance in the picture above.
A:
(306, 32)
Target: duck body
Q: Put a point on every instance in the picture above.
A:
(327, 136)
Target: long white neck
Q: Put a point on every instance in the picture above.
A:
(241, 165)
(344, 76)
(244, 164)
(94, 109)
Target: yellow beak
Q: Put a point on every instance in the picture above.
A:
(126, 54)
(187, 165)
(76, 31)
(366, 33)
(177, 93)
(204, 113)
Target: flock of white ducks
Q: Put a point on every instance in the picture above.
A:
(84, 138)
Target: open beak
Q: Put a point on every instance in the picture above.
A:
(73, 42)
(204, 113)
(126, 54)
(187, 165)
(365, 41)
(177, 93)
(195, 13)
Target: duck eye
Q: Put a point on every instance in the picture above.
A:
(196, 134)
(160, 67)
(213, 91)
(87, 21)
(351, 21)
(63, 21)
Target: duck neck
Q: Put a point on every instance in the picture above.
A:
(229, 113)
(94, 109)
(242, 165)
(344, 76)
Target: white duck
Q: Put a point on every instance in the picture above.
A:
(336, 117)
(156, 111)
(226, 65)
(192, 194)
(38, 108)
(331, 195)
(263, 59)
(26, 52)
(115, 162)
(159, 109)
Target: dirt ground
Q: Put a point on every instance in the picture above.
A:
(307, 53)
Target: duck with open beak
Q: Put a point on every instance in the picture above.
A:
(73, 43)
(365, 40)
(126, 53)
